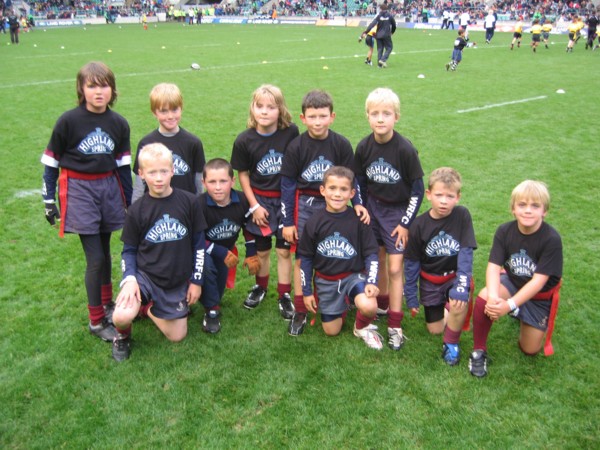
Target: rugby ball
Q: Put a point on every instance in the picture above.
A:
(195, 66)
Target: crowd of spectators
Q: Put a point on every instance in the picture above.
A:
(410, 11)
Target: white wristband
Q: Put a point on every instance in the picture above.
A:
(511, 304)
(254, 208)
(127, 279)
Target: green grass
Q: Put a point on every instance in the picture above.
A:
(253, 386)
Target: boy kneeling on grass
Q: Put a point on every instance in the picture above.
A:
(522, 278)
(342, 251)
(163, 254)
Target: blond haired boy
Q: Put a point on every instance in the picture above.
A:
(522, 277)
(390, 177)
(166, 104)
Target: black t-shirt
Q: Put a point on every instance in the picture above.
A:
(389, 168)
(225, 222)
(523, 255)
(262, 156)
(188, 156)
(89, 142)
(435, 243)
(337, 243)
(163, 231)
(307, 159)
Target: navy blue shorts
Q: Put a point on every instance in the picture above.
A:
(385, 218)
(169, 304)
(94, 206)
(534, 312)
(307, 206)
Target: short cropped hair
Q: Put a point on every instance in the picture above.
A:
(217, 164)
(449, 177)
(154, 151)
(340, 172)
(317, 99)
(536, 191)
(99, 74)
(383, 96)
(165, 95)
(274, 94)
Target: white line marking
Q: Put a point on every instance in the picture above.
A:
(27, 193)
(497, 105)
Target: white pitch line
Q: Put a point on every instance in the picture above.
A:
(497, 105)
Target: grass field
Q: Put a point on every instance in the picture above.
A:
(498, 120)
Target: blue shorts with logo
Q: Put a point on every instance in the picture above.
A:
(168, 304)
(385, 217)
(533, 312)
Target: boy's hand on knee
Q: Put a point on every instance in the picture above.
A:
(129, 296)
(371, 290)
(231, 260)
(253, 264)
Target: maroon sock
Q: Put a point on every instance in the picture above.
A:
(263, 282)
(362, 321)
(124, 331)
(383, 302)
(283, 288)
(395, 319)
(106, 293)
(96, 314)
(299, 304)
(451, 336)
(481, 325)
(143, 312)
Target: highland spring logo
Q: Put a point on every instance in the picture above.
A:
(336, 246)
(270, 164)
(165, 230)
(521, 264)
(224, 230)
(97, 142)
(383, 172)
(442, 245)
(315, 170)
(179, 165)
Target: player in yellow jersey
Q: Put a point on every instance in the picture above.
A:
(536, 34)
(546, 29)
(518, 33)
(573, 29)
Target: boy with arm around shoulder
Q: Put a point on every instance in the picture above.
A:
(227, 212)
(439, 257)
(166, 104)
(163, 254)
(391, 179)
(342, 252)
(522, 277)
(306, 160)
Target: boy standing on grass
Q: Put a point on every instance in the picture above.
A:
(522, 278)
(257, 155)
(166, 103)
(459, 44)
(163, 254)
(517, 34)
(307, 158)
(342, 251)
(390, 176)
(226, 211)
(439, 257)
(90, 144)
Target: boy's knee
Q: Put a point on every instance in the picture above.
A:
(529, 351)
(176, 336)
